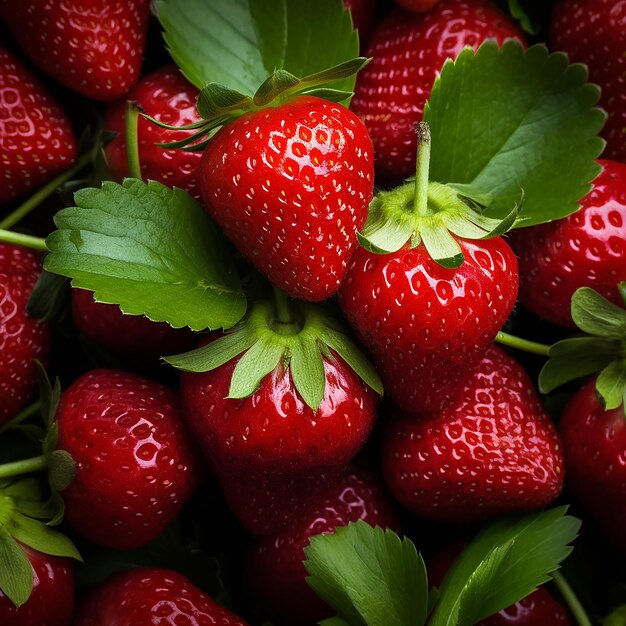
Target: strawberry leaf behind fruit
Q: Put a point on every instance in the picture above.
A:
(540, 112)
(151, 250)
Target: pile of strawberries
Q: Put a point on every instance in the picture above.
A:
(352, 372)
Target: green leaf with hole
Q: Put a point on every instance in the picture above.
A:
(151, 250)
(518, 116)
(239, 43)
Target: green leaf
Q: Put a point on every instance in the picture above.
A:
(239, 43)
(517, 117)
(442, 246)
(49, 298)
(521, 16)
(382, 235)
(16, 572)
(611, 385)
(276, 84)
(215, 99)
(41, 537)
(617, 617)
(261, 359)
(307, 371)
(369, 576)
(506, 561)
(151, 250)
(560, 370)
(61, 469)
(49, 394)
(596, 315)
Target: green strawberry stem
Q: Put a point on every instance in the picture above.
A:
(25, 466)
(522, 344)
(422, 166)
(39, 196)
(36, 243)
(21, 416)
(571, 600)
(132, 142)
(283, 310)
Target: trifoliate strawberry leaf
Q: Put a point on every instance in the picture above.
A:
(151, 250)
(540, 113)
(16, 573)
(239, 43)
(506, 561)
(369, 576)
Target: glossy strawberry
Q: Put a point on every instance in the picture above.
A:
(594, 443)
(426, 325)
(290, 185)
(51, 602)
(36, 137)
(593, 32)
(23, 340)
(585, 249)
(169, 98)
(132, 336)
(94, 47)
(408, 50)
(493, 451)
(276, 572)
(136, 465)
(150, 596)
(273, 430)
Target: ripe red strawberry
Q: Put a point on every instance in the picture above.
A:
(132, 336)
(51, 602)
(94, 47)
(136, 465)
(417, 6)
(36, 137)
(493, 451)
(276, 573)
(585, 249)
(592, 32)
(426, 325)
(169, 98)
(273, 430)
(150, 596)
(23, 340)
(594, 444)
(408, 50)
(290, 185)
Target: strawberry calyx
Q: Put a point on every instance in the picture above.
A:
(218, 104)
(295, 335)
(601, 349)
(428, 212)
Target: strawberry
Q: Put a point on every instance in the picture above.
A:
(149, 596)
(592, 32)
(417, 6)
(132, 336)
(363, 17)
(23, 340)
(408, 50)
(290, 186)
(168, 97)
(594, 441)
(427, 325)
(94, 47)
(36, 137)
(585, 249)
(493, 451)
(51, 602)
(276, 573)
(136, 465)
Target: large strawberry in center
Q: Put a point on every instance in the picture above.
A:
(290, 185)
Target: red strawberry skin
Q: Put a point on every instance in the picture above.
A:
(94, 47)
(594, 442)
(51, 602)
(168, 97)
(23, 340)
(585, 249)
(276, 572)
(425, 325)
(150, 596)
(273, 430)
(494, 451)
(594, 32)
(136, 464)
(132, 336)
(290, 186)
(36, 137)
(408, 50)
